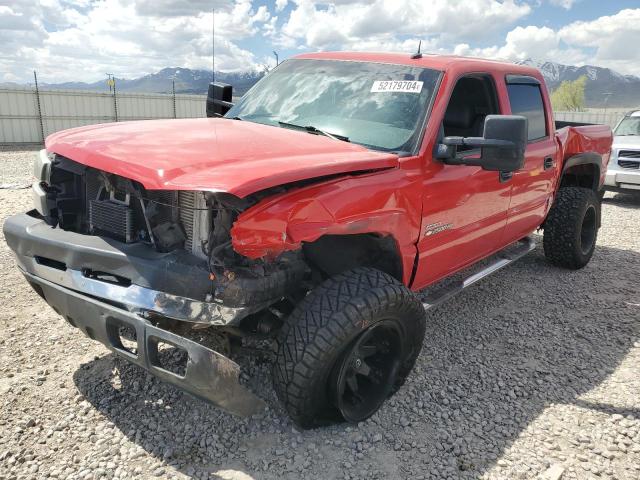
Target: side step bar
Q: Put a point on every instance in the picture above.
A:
(506, 257)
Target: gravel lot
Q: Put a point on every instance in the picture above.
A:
(533, 373)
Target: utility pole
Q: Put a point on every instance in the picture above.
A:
(111, 80)
(35, 79)
(606, 100)
(213, 44)
(173, 92)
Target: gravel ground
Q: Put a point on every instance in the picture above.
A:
(533, 373)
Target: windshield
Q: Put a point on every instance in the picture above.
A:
(380, 106)
(628, 126)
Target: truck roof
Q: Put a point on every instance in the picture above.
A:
(436, 62)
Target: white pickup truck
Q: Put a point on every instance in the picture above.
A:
(623, 173)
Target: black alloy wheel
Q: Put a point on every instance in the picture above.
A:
(365, 375)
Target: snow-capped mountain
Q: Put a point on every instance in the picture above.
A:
(624, 89)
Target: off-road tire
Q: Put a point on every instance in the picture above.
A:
(325, 323)
(564, 243)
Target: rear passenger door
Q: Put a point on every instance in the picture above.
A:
(532, 186)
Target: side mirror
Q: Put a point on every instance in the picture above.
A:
(502, 145)
(219, 99)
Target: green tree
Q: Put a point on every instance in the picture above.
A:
(569, 95)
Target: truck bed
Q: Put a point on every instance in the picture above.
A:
(561, 124)
(577, 138)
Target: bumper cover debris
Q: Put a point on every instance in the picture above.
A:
(208, 375)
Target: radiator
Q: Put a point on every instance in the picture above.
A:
(112, 218)
(195, 219)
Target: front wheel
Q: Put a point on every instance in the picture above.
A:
(571, 228)
(347, 347)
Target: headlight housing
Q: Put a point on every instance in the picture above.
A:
(42, 166)
(42, 173)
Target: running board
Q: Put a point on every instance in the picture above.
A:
(506, 257)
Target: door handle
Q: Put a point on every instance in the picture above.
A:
(505, 176)
(548, 163)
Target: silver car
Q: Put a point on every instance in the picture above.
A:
(623, 173)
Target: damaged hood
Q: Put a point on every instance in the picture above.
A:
(213, 154)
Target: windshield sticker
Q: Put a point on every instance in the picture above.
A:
(402, 86)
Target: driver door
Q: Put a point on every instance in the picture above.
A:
(464, 210)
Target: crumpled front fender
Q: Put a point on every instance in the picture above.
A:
(385, 203)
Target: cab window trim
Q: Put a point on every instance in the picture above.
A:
(516, 79)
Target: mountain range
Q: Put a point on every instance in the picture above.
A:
(621, 90)
(186, 81)
(604, 87)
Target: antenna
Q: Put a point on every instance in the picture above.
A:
(213, 44)
(418, 54)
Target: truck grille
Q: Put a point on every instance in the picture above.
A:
(628, 164)
(629, 154)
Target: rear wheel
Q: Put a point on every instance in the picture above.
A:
(571, 228)
(347, 347)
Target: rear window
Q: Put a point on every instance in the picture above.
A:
(526, 100)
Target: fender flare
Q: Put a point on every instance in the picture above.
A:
(585, 158)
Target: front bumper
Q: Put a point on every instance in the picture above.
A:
(618, 178)
(101, 286)
(173, 285)
(208, 374)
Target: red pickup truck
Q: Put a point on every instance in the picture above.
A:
(311, 213)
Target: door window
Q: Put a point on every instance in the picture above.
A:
(526, 100)
(473, 98)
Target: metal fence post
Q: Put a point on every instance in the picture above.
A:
(35, 78)
(115, 100)
(173, 91)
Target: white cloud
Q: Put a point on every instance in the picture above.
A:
(531, 42)
(112, 36)
(615, 39)
(81, 39)
(173, 8)
(566, 4)
(608, 41)
(341, 24)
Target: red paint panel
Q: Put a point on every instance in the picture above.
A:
(212, 154)
(472, 204)
(587, 138)
(533, 188)
(387, 203)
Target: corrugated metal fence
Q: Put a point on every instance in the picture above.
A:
(61, 109)
(601, 116)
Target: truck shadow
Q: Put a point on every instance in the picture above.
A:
(494, 359)
(623, 199)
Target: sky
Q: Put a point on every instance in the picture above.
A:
(82, 40)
